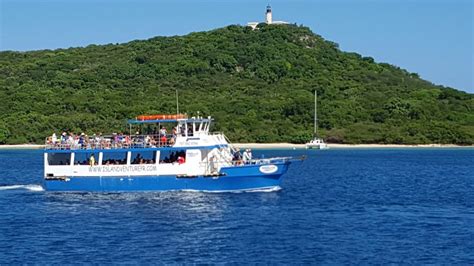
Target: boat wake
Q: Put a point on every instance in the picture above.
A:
(251, 190)
(30, 187)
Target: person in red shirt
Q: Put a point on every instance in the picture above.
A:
(163, 140)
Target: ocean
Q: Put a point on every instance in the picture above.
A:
(340, 206)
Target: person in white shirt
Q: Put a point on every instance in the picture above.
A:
(247, 156)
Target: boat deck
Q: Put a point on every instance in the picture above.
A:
(108, 142)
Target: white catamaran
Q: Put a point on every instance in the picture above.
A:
(316, 142)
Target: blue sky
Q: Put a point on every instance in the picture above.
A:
(432, 38)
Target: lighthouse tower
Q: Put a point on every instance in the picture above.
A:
(268, 19)
(268, 15)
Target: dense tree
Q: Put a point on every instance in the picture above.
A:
(258, 84)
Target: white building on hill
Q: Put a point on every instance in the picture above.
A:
(268, 19)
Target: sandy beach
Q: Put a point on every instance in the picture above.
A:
(21, 146)
(342, 146)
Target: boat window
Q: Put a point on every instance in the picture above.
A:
(143, 157)
(172, 156)
(190, 130)
(82, 158)
(109, 158)
(59, 158)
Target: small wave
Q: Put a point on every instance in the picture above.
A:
(30, 187)
(267, 189)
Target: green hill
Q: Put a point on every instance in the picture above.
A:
(257, 84)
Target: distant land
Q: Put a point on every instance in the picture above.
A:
(257, 84)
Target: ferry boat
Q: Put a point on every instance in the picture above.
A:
(188, 158)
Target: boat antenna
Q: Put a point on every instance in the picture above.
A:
(177, 103)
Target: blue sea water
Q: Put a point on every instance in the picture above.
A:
(410, 206)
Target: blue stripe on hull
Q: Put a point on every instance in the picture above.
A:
(235, 178)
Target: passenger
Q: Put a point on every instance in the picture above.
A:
(213, 164)
(136, 140)
(181, 160)
(114, 140)
(81, 140)
(128, 141)
(163, 131)
(137, 159)
(182, 130)
(246, 156)
(94, 141)
(147, 141)
(76, 141)
(92, 160)
(237, 158)
(173, 137)
(121, 139)
(163, 140)
(70, 139)
(64, 138)
(54, 139)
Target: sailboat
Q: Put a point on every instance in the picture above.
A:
(316, 142)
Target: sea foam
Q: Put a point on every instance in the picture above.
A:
(30, 187)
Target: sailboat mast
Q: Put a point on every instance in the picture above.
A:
(315, 113)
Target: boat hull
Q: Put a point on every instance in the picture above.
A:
(317, 147)
(236, 178)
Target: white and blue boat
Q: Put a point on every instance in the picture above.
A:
(188, 158)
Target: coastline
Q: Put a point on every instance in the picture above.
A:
(22, 147)
(283, 146)
(344, 146)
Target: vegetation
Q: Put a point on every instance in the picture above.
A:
(257, 84)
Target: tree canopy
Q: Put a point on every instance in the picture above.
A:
(257, 84)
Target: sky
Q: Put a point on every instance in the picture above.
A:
(434, 38)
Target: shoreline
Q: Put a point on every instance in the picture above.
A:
(283, 146)
(344, 146)
(22, 147)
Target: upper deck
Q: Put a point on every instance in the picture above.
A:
(185, 132)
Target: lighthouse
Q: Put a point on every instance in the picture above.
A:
(268, 15)
(268, 19)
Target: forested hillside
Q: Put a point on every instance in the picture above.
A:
(258, 85)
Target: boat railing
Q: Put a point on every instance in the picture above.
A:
(107, 142)
(256, 161)
(213, 165)
(224, 140)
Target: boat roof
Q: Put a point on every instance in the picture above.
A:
(156, 121)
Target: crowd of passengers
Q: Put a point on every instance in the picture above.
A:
(158, 138)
